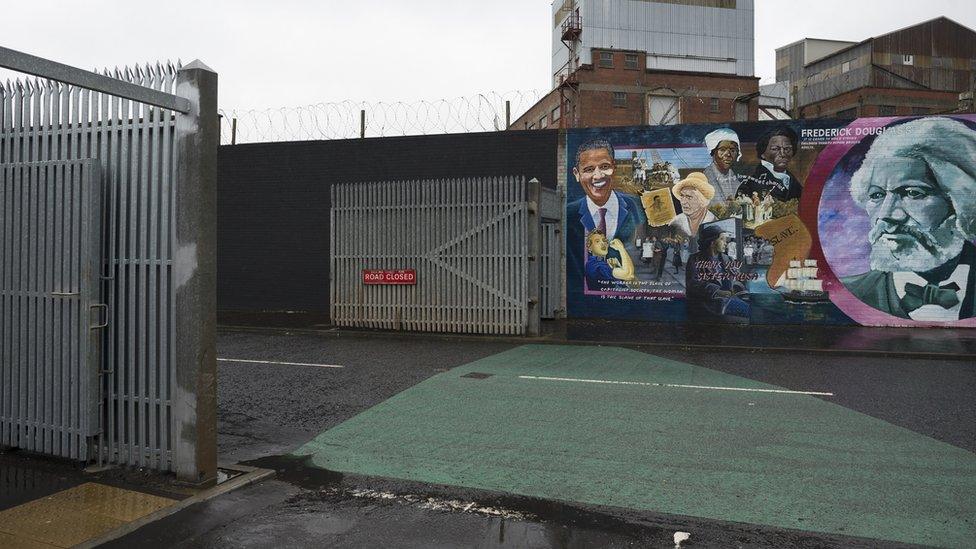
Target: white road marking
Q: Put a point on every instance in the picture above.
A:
(279, 363)
(675, 385)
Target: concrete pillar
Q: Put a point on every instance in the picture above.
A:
(195, 277)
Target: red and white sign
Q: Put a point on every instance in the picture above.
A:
(406, 277)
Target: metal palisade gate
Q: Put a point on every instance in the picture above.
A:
(50, 261)
(132, 129)
(470, 242)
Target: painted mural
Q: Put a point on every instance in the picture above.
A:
(871, 222)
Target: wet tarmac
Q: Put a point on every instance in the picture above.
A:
(305, 506)
(268, 411)
(271, 410)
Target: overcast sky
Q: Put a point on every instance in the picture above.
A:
(287, 53)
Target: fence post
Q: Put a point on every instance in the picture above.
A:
(194, 277)
(534, 234)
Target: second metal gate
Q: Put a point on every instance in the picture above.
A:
(473, 244)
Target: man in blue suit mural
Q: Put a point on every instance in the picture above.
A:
(619, 217)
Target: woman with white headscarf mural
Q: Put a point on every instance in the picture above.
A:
(724, 147)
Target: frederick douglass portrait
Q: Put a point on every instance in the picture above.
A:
(917, 184)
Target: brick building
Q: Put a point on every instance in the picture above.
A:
(614, 90)
(922, 69)
(633, 62)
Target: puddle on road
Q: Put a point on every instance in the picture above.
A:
(511, 521)
(223, 475)
(506, 520)
(297, 470)
(24, 480)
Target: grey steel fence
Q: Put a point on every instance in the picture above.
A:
(50, 309)
(155, 251)
(133, 145)
(470, 242)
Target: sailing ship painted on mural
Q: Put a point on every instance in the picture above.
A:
(803, 284)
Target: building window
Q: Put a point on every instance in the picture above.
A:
(846, 67)
(542, 122)
(619, 99)
(631, 61)
(531, 126)
(847, 113)
(606, 59)
(713, 105)
(908, 60)
(886, 110)
(555, 114)
(663, 110)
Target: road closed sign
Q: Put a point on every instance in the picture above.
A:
(397, 277)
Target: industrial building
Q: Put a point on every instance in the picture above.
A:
(632, 62)
(927, 68)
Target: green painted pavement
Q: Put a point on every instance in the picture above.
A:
(784, 460)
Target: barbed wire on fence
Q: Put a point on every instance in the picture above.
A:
(342, 120)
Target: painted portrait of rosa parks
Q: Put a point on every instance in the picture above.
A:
(916, 186)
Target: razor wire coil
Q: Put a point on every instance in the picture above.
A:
(342, 120)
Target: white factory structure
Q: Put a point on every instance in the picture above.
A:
(702, 36)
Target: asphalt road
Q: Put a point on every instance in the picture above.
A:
(935, 398)
(268, 410)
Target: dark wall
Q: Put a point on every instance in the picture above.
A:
(273, 203)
